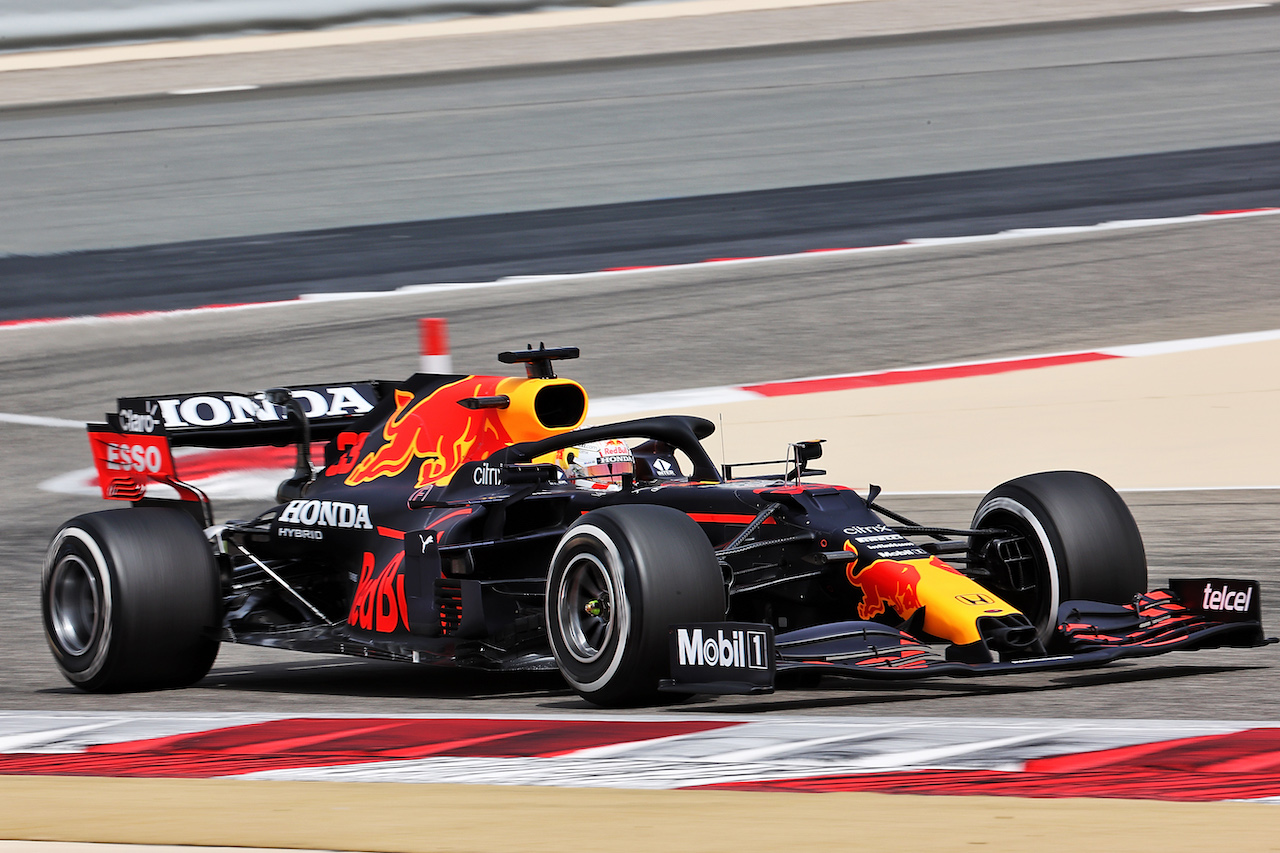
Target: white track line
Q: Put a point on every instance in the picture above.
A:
(37, 420)
(211, 90)
(1231, 7)
(1127, 490)
(1191, 344)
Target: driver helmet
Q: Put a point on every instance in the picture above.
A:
(599, 464)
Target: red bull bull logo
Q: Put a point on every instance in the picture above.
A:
(435, 430)
(952, 602)
(886, 583)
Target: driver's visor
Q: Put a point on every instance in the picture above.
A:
(608, 471)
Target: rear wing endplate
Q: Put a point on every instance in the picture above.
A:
(127, 463)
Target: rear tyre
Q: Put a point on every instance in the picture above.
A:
(619, 577)
(1078, 541)
(131, 600)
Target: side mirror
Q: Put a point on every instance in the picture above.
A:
(804, 453)
(807, 451)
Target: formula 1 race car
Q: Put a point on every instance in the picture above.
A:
(473, 521)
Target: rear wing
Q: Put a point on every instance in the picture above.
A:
(229, 419)
(133, 449)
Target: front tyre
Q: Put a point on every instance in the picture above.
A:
(619, 577)
(131, 600)
(1064, 535)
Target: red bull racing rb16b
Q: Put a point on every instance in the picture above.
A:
(473, 521)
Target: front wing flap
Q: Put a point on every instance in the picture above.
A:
(1192, 614)
(1088, 634)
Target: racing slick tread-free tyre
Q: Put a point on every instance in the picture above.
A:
(619, 577)
(131, 600)
(1086, 543)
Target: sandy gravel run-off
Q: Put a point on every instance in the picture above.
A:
(435, 819)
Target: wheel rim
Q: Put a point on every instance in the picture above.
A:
(75, 605)
(584, 608)
(1040, 604)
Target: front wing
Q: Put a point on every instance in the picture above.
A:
(1088, 634)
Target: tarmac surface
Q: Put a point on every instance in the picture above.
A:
(657, 159)
(567, 35)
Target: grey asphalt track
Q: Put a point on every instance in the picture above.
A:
(665, 232)
(268, 166)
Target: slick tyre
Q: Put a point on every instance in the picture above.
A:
(619, 577)
(1074, 538)
(131, 600)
